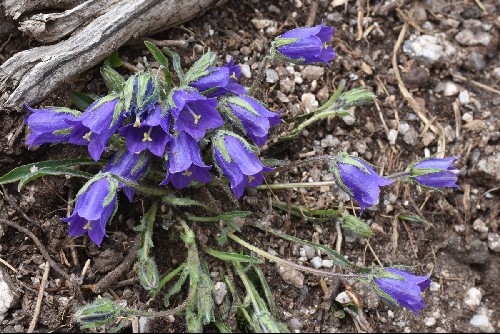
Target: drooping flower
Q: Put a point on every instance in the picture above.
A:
(406, 292)
(220, 80)
(306, 45)
(49, 125)
(94, 206)
(434, 172)
(357, 179)
(194, 113)
(251, 117)
(184, 162)
(96, 125)
(130, 166)
(238, 162)
(149, 134)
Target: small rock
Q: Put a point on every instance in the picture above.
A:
(496, 73)
(475, 61)
(392, 136)
(287, 85)
(434, 286)
(312, 72)
(309, 101)
(245, 71)
(317, 262)
(490, 166)
(467, 117)
(411, 137)
(473, 298)
(8, 296)
(282, 97)
(482, 322)
(428, 138)
(343, 298)
(327, 264)
(349, 119)
(464, 97)
(271, 75)
(291, 276)
(429, 321)
(480, 226)
(220, 291)
(145, 324)
(262, 23)
(309, 251)
(494, 242)
(448, 88)
(429, 50)
(468, 38)
(295, 324)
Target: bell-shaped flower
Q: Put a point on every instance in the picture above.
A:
(193, 113)
(220, 80)
(149, 134)
(404, 289)
(238, 162)
(434, 172)
(96, 125)
(305, 45)
(49, 125)
(357, 179)
(94, 206)
(184, 162)
(251, 117)
(129, 166)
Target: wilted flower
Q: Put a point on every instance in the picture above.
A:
(238, 162)
(306, 45)
(94, 206)
(49, 125)
(251, 117)
(184, 162)
(130, 166)
(434, 172)
(95, 126)
(220, 80)
(152, 133)
(358, 179)
(406, 292)
(194, 113)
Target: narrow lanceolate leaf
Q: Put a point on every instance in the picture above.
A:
(234, 257)
(162, 60)
(177, 201)
(200, 68)
(113, 80)
(176, 60)
(21, 172)
(40, 172)
(227, 216)
(80, 100)
(114, 60)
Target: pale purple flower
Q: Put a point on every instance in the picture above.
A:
(407, 292)
(238, 163)
(220, 80)
(92, 211)
(435, 172)
(306, 45)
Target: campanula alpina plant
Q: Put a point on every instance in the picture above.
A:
(404, 289)
(169, 134)
(434, 172)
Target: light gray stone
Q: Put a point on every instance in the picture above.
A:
(245, 71)
(8, 296)
(271, 75)
(312, 72)
(473, 298)
(494, 242)
(428, 49)
(220, 292)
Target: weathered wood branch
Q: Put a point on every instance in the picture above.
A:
(16, 8)
(34, 73)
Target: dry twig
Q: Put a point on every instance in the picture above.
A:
(39, 298)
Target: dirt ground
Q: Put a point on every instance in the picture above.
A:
(447, 99)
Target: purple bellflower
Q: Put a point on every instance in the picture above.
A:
(357, 179)
(306, 45)
(49, 125)
(406, 292)
(185, 163)
(152, 133)
(434, 172)
(220, 80)
(238, 162)
(130, 166)
(95, 126)
(251, 117)
(94, 206)
(194, 113)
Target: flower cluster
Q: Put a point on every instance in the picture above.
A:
(148, 117)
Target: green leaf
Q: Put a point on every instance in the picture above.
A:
(113, 80)
(113, 60)
(81, 100)
(228, 216)
(178, 201)
(222, 327)
(21, 172)
(167, 278)
(51, 171)
(411, 218)
(162, 60)
(234, 257)
(176, 60)
(200, 67)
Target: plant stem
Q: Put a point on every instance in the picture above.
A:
(288, 263)
(396, 175)
(295, 185)
(260, 75)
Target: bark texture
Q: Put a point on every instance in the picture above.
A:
(93, 29)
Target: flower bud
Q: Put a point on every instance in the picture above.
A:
(356, 226)
(147, 271)
(101, 312)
